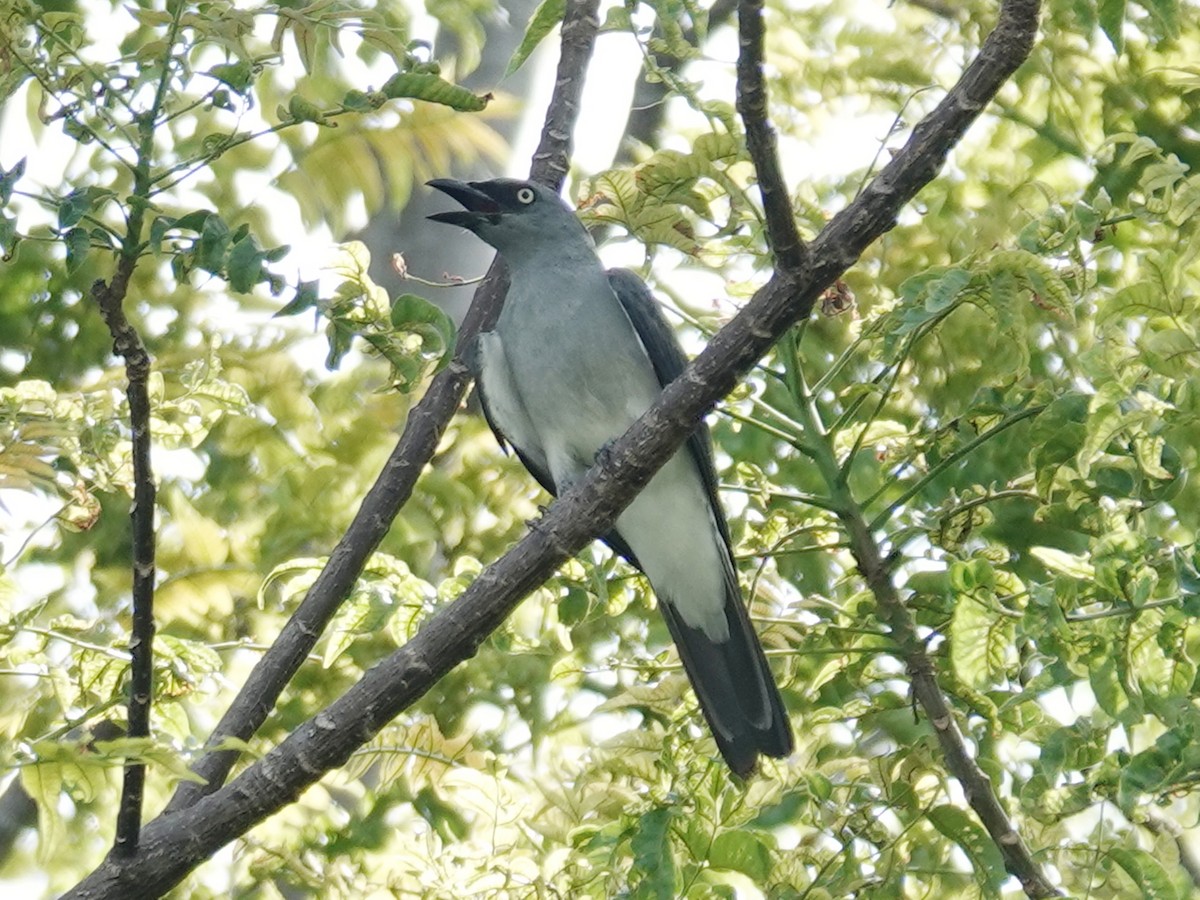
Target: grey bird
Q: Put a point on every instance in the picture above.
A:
(577, 355)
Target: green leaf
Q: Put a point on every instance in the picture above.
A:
(212, 245)
(307, 297)
(741, 851)
(245, 265)
(1146, 872)
(158, 230)
(237, 75)
(960, 827)
(359, 101)
(1166, 14)
(1153, 294)
(1076, 566)
(8, 235)
(44, 784)
(969, 575)
(340, 337)
(1111, 693)
(652, 855)
(431, 88)
(365, 612)
(573, 607)
(78, 241)
(77, 131)
(302, 110)
(413, 313)
(946, 289)
(1072, 748)
(73, 208)
(195, 220)
(447, 821)
(1111, 15)
(548, 14)
(979, 643)
(616, 19)
(8, 181)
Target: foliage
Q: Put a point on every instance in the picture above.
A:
(1012, 406)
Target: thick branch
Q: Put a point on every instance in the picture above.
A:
(173, 845)
(416, 447)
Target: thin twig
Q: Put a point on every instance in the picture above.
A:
(952, 459)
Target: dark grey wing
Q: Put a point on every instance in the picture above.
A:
(669, 361)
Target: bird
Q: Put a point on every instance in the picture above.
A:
(577, 354)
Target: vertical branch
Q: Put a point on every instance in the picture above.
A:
(426, 423)
(127, 344)
(791, 254)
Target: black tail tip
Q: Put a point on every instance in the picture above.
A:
(742, 756)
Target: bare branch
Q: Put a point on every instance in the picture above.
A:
(127, 344)
(790, 251)
(426, 423)
(173, 845)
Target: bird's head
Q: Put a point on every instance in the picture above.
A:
(518, 218)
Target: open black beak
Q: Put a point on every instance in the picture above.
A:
(478, 206)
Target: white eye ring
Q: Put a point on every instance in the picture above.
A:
(525, 195)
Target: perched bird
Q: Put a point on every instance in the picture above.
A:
(578, 354)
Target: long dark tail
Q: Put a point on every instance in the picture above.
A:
(737, 692)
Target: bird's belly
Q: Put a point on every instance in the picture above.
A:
(579, 393)
(577, 415)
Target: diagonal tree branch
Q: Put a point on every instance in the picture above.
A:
(877, 571)
(426, 424)
(173, 845)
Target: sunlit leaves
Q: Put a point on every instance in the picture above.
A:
(742, 851)
(548, 14)
(1051, 566)
(1146, 872)
(387, 596)
(413, 335)
(652, 857)
(216, 248)
(659, 200)
(956, 824)
(981, 630)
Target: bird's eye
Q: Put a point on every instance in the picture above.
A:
(525, 195)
